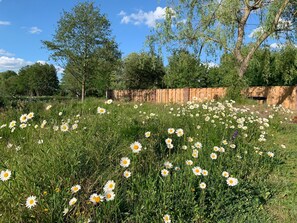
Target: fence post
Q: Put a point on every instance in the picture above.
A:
(186, 95)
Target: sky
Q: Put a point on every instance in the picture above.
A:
(24, 24)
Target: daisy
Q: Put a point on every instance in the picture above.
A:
(222, 150)
(202, 185)
(232, 146)
(179, 132)
(198, 145)
(72, 201)
(74, 126)
(12, 124)
(213, 156)
(216, 148)
(168, 165)
(195, 153)
(30, 115)
(127, 174)
(204, 172)
(147, 134)
(64, 127)
(190, 139)
(170, 146)
(166, 218)
(23, 118)
(184, 147)
(125, 162)
(164, 172)
(56, 128)
(109, 186)
(48, 107)
(65, 211)
(109, 196)
(75, 188)
(136, 147)
(95, 198)
(101, 110)
(5, 175)
(225, 174)
(189, 162)
(168, 141)
(43, 124)
(197, 170)
(170, 130)
(109, 101)
(270, 154)
(232, 181)
(31, 202)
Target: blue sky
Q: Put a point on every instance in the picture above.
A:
(24, 23)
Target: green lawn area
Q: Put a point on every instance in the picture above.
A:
(134, 162)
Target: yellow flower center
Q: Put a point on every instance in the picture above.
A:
(31, 202)
(125, 161)
(135, 147)
(75, 189)
(110, 186)
(108, 196)
(97, 199)
(6, 175)
(231, 181)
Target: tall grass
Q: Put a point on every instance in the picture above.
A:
(46, 162)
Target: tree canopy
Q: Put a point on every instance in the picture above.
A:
(82, 43)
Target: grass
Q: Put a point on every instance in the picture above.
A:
(46, 162)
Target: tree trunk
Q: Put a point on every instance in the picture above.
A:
(83, 90)
(242, 68)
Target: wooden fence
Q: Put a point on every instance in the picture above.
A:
(287, 96)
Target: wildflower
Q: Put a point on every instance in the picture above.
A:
(190, 139)
(75, 188)
(189, 162)
(109, 186)
(283, 146)
(213, 156)
(198, 145)
(197, 170)
(64, 127)
(270, 154)
(170, 130)
(48, 107)
(30, 115)
(232, 181)
(40, 141)
(5, 175)
(164, 172)
(65, 211)
(23, 118)
(168, 165)
(23, 125)
(177, 168)
(109, 195)
(204, 172)
(43, 124)
(56, 128)
(101, 110)
(9, 145)
(136, 147)
(35, 126)
(202, 185)
(72, 201)
(31, 202)
(225, 174)
(166, 218)
(109, 101)
(168, 141)
(216, 148)
(222, 150)
(127, 174)
(195, 153)
(125, 162)
(74, 126)
(179, 132)
(184, 147)
(147, 134)
(135, 106)
(232, 146)
(170, 146)
(95, 198)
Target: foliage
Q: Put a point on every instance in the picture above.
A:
(213, 26)
(82, 43)
(46, 162)
(143, 71)
(185, 70)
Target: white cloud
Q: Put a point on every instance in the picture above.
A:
(141, 17)
(12, 63)
(35, 30)
(5, 53)
(256, 32)
(210, 64)
(4, 23)
(279, 45)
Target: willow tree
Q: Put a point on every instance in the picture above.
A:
(83, 42)
(212, 25)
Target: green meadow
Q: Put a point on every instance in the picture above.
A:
(108, 161)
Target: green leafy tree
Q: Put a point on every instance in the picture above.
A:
(143, 71)
(185, 70)
(8, 83)
(38, 79)
(222, 25)
(83, 42)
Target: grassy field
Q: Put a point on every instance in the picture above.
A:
(129, 162)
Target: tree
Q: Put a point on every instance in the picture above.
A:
(83, 42)
(185, 70)
(8, 83)
(38, 79)
(212, 25)
(143, 71)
